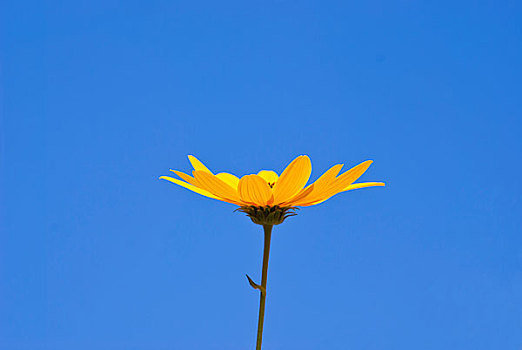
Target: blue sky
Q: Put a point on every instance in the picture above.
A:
(99, 98)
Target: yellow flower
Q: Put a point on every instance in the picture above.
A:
(267, 189)
(268, 199)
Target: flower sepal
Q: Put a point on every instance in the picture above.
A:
(268, 215)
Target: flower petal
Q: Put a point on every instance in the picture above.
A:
(293, 179)
(197, 164)
(363, 185)
(350, 176)
(189, 186)
(185, 177)
(268, 175)
(216, 186)
(254, 189)
(352, 187)
(340, 183)
(300, 196)
(320, 185)
(328, 176)
(229, 179)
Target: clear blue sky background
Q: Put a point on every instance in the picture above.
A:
(99, 98)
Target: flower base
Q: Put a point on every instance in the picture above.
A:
(269, 215)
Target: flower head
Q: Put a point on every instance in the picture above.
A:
(268, 191)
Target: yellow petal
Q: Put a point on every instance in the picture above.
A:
(269, 176)
(350, 176)
(320, 185)
(254, 189)
(271, 200)
(293, 179)
(327, 177)
(197, 164)
(300, 196)
(340, 183)
(229, 179)
(185, 177)
(351, 187)
(363, 185)
(189, 186)
(216, 186)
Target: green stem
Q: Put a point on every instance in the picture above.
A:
(262, 298)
